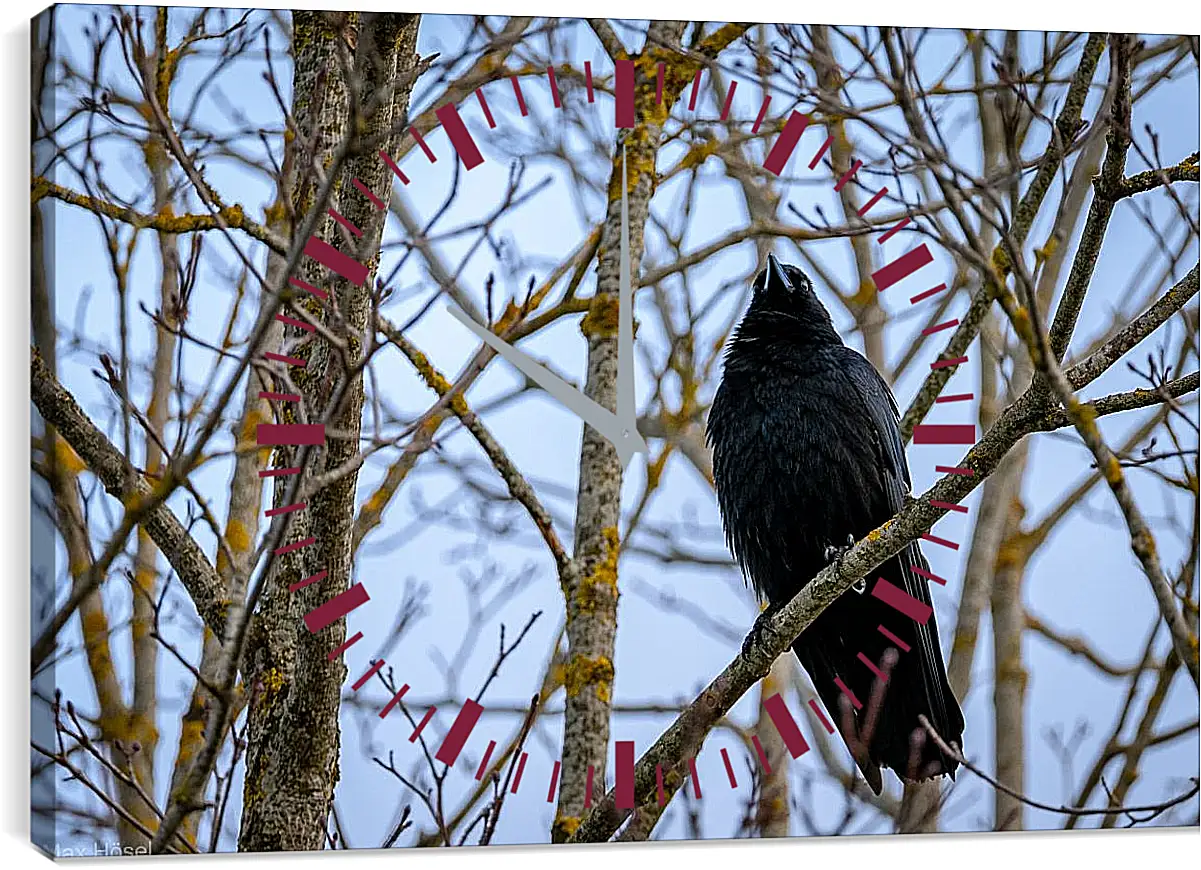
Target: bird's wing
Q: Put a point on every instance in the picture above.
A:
(884, 415)
(885, 419)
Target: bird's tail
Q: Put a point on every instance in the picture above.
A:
(848, 656)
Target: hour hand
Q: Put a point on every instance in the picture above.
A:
(620, 429)
(622, 434)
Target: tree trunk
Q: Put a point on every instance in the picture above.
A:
(592, 603)
(772, 810)
(293, 729)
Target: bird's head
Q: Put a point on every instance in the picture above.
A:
(783, 301)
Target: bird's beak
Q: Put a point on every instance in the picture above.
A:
(776, 274)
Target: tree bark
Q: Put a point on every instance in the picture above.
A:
(1009, 683)
(293, 729)
(773, 813)
(591, 595)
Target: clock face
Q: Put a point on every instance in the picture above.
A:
(498, 581)
(619, 426)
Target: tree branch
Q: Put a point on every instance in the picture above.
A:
(59, 408)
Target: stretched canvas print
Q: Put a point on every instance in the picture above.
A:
(494, 430)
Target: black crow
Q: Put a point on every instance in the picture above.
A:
(807, 459)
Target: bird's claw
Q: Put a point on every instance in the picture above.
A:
(835, 554)
(755, 635)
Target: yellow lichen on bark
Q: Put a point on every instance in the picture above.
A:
(654, 469)
(582, 672)
(564, 827)
(601, 581)
(437, 382)
(602, 317)
(237, 537)
(865, 293)
(38, 189)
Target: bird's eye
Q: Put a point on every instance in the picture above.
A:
(798, 280)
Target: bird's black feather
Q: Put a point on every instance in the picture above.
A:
(807, 454)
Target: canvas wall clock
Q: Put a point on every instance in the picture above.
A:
(500, 430)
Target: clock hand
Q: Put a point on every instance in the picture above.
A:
(620, 429)
(622, 435)
(625, 316)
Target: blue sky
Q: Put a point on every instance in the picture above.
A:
(1085, 581)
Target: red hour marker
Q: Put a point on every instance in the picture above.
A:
(338, 216)
(817, 711)
(790, 733)
(456, 737)
(902, 267)
(479, 95)
(286, 509)
(287, 360)
(623, 90)
(842, 687)
(308, 581)
(420, 140)
(298, 545)
(460, 137)
(362, 188)
(901, 645)
(274, 434)
(520, 770)
(821, 152)
(345, 646)
(383, 714)
(786, 143)
(725, 109)
(901, 600)
(762, 113)
(944, 433)
(425, 720)
(866, 207)
(308, 288)
(520, 97)
(725, 756)
(391, 164)
(371, 672)
(900, 225)
(942, 542)
(946, 324)
(847, 176)
(926, 294)
(479, 774)
(872, 667)
(932, 577)
(334, 260)
(948, 506)
(337, 607)
(762, 755)
(623, 789)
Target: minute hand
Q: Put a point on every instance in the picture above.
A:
(625, 319)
